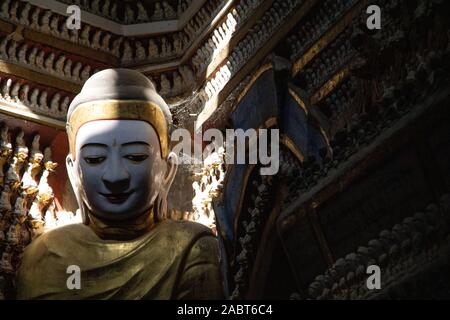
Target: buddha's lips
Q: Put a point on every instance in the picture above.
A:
(117, 198)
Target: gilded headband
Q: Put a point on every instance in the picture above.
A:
(115, 110)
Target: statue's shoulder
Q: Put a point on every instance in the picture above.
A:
(193, 239)
(54, 241)
(184, 231)
(45, 260)
(186, 227)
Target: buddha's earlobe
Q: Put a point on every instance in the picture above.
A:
(74, 181)
(161, 200)
(172, 166)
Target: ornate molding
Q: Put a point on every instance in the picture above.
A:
(323, 39)
(26, 100)
(53, 63)
(27, 201)
(416, 242)
(256, 46)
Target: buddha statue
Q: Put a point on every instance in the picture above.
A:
(121, 169)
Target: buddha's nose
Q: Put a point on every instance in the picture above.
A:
(116, 176)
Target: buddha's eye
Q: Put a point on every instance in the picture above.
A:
(94, 160)
(136, 157)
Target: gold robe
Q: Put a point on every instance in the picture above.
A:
(174, 260)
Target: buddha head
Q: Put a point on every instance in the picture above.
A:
(119, 164)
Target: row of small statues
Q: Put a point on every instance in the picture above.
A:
(413, 242)
(26, 195)
(135, 12)
(339, 101)
(162, 46)
(259, 34)
(222, 34)
(35, 58)
(174, 87)
(167, 46)
(27, 206)
(318, 23)
(325, 64)
(219, 39)
(354, 129)
(208, 185)
(250, 231)
(122, 48)
(34, 98)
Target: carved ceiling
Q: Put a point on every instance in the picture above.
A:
(134, 11)
(196, 60)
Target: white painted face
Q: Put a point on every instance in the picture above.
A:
(118, 168)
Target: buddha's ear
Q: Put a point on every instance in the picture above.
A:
(172, 166)
(76, 186)
(161, 199)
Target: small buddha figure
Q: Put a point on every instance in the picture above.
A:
(169, 12)
(12, 51)
(35, 211)
(5, 150)
(3, 48)
(177, 44)
(59, 65)
(85, 34)
(36, 218)
(35, 17)
(13, 11)
(29, 183)
(36, 154)
(127, 52)
(105, 42)
(49, 61)
(13, 235)
(48, 162)
(34, 97)
(96, 39)
(6, 260)
(140, 51)
(23, 95)
(68, 68)
(50, 217)
(95, 6)
(129, 15)
(153, 50)
(12, 175)
(21, 151)
(158, 13)
(45, 192)
(113, 12)
(21, 56)
(45, 22)
(54, 25)
(4, 9)
(20, 212)
(121, 169)
(105, 8)
(142, 15)
(40, 59)
(5, 201)
(54, 105)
